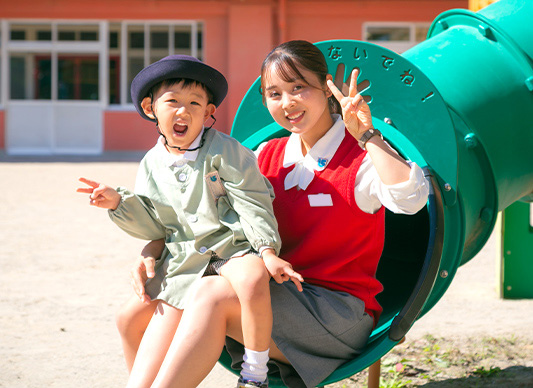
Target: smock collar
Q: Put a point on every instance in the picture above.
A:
(177, 160)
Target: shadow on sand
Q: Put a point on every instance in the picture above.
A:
(511, 377)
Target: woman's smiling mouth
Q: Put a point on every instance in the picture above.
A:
(295, 117)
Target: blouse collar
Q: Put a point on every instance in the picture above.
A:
(316, 159)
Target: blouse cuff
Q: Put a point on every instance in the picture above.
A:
(412, 192)
(399, 190)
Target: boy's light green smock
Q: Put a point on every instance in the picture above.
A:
(218, 203)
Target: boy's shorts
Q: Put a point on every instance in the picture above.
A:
(216, 263)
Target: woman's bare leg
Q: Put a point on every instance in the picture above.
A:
(200, 338)
(132, 320)
(213, 312)
(154, 345)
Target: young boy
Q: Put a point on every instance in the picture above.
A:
(202, 193)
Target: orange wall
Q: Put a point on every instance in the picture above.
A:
(251, 38)
(128, 131)
(237, 33)
(321, 20)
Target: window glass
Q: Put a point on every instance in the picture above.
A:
(44, 35)
(159, 45)
(113, 39)
(31, 76)
(18, 35)
(421, 31)
(135, 54)
(114, 80)
(159, 39)
(136, 39)
(182, 40)
(66, 35)
(89, 35)
(77, 77)
(378, 33)
(78, 74)
(114, 63)
(77, 32)
(31, 32)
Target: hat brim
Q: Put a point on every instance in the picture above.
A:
(177, 67)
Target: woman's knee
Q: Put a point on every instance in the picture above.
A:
(133, 317)
(125, 320)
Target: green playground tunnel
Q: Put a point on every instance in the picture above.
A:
(460, 105)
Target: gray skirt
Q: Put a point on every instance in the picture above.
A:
(317, 330)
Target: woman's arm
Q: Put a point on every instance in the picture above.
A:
(391, 167)
(393, 180)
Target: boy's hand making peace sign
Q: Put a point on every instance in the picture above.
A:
(100, 195)
(355, 111)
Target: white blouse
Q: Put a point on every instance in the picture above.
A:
(370, 192)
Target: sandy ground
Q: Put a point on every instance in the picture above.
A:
(64, 273)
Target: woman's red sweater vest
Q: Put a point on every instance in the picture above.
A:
(337, 247)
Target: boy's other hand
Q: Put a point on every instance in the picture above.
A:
(142, 270)
(281, 270)
(100, 195)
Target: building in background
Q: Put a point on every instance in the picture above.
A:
(66, 65)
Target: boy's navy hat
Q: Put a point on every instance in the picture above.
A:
(177, 66)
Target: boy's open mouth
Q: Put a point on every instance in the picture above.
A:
(180, 129)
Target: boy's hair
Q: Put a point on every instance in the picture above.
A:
(180, 67)
(186, 82)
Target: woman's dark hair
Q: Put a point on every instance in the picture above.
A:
(286, 58)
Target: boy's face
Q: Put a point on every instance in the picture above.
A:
(181, 113)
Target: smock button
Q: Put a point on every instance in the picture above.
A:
(203, 249)
(193, 219)
(182, 177)
(180, 163)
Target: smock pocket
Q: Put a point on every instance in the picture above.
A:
(215, 185)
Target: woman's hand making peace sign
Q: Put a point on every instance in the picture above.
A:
(355, 111)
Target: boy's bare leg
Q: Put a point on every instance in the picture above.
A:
(132, 320)
(249, 278)
(154, 345)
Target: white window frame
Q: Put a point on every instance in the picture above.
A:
(100, 47)
(55, 47)
(397, 46)
(124, 92)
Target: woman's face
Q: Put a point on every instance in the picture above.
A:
(298, 106)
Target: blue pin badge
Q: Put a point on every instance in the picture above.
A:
(322, 162)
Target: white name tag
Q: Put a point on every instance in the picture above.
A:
(317, 200)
